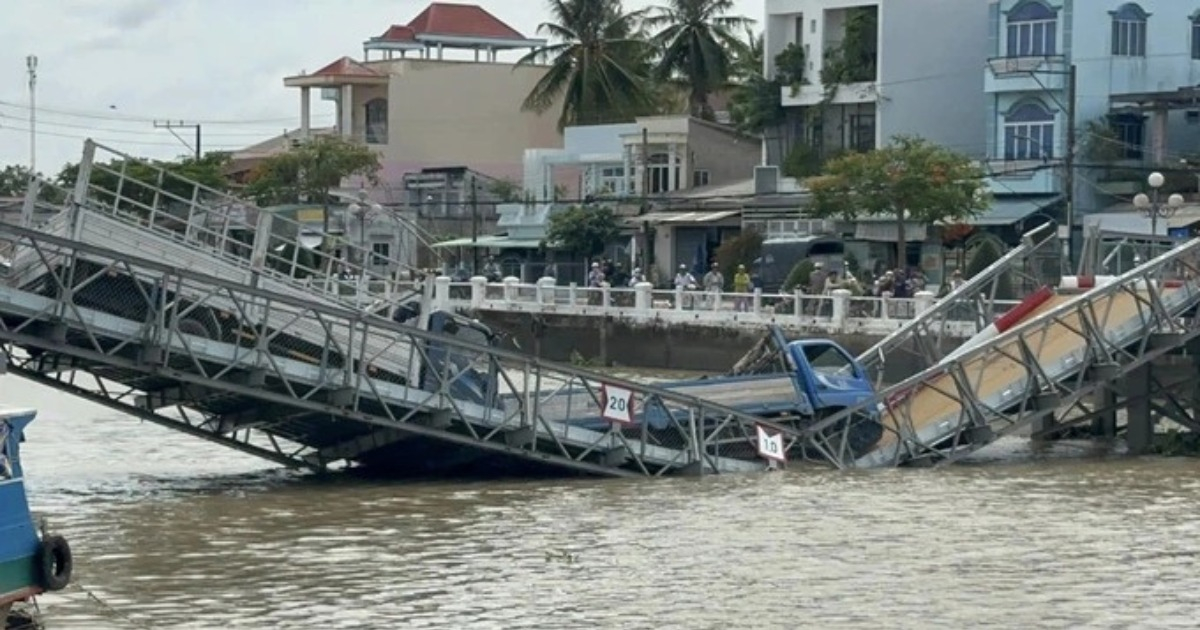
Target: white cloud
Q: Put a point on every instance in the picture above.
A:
(108, 68)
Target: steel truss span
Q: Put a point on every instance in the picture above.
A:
(1044, 373)
(312, 384)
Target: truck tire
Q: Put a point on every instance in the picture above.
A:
(193, 326)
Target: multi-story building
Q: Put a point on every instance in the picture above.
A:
(438, 93)
(652, 156)
(859, 72)
(1134, 107)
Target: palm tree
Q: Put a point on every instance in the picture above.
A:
(698, 44)
(596, 58)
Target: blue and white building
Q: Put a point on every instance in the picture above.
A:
(1135, 64)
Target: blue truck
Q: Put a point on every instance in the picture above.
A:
(790, 382)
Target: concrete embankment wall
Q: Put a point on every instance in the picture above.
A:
(615, 342)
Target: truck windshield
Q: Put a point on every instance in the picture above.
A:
(828, 360)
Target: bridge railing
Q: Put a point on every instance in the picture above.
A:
(139, 316)
(234, 230)
(839, 312)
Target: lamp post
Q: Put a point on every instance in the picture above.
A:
(1149, 204)
(362, 210)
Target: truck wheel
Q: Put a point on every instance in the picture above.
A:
(192, 326)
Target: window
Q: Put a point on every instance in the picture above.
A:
(1129, 31)
(1196, 35)
(611, 180)
(862, 132)
(660, 173)
(1032, 30)
(1130, 130)
(799, 35)
(380, 254)
(1029, 133)
(699, 178)
(377, 121)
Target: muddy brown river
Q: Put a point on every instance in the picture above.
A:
(170, 532)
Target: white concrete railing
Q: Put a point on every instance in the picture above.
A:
(839, 313)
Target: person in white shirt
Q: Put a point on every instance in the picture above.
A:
(684, 281)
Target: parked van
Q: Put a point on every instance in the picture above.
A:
(780, 255)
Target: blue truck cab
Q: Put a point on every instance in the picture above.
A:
(826, 376)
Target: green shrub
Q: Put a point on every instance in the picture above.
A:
(798, 276)
(985, 254)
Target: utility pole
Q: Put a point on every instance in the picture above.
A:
(474, 224)
(1069, 175)
(172, 125)
(31, 63)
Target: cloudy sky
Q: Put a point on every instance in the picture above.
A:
(107, 69)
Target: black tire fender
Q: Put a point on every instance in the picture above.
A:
(54, 563)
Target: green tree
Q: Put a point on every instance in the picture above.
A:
(138, 181)
(583, 230)
(309, 171)
(596, 58)
(908, 180)
(698, 44)
(741, 250)
(14, 179)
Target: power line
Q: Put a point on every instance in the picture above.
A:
(52, 134)
(143, 119)
(144, 132)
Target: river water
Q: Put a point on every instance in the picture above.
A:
(170, 532)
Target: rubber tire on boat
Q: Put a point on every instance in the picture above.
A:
(55, 563)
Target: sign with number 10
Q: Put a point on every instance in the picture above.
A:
(617, 404)
(770, 445)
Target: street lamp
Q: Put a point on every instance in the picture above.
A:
(1149, 204)
(362, 210)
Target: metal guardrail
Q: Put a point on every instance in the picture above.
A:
(232, 229)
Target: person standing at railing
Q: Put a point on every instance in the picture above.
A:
(714, 281)
(684, 281)
(595, 281)
(741, 286)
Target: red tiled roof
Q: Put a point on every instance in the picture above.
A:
(467, 20)
(346, 67)
(397, 33)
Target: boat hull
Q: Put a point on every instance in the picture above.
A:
(20, 567)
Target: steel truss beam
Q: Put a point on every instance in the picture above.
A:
(123, 319)
(1047, 364)
(925, 335)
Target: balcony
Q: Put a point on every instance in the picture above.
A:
(1025, 74)
(848, 94)
(1024, 177)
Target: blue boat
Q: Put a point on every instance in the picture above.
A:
(30, 563)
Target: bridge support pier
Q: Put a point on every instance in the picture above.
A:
(1104, 425)
(1139, 421)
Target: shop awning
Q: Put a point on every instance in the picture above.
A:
(676, 218)
(885, 231)
(1008, 209)
(491, 241)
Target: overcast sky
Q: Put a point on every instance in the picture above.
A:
(108, 68)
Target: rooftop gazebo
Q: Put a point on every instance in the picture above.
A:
(445, 25)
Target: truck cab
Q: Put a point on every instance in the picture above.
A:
(828, 380)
